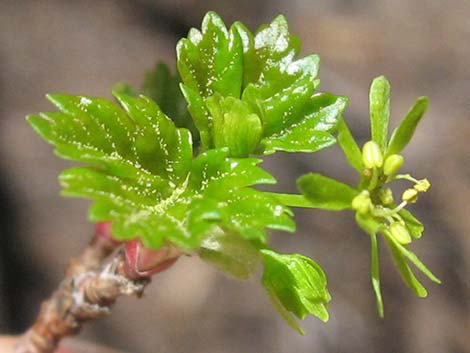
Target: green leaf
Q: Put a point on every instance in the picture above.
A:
(250, 93)
(326, 193)
(379, 100)
(415, 227)
(293, 200)
(230, 253)
(267, 50)
(124, 88)
(375, 273)
(313, 132)
(405, 270)
(202, 216)
(246, 211)
(215, 174)
(95, 131)
(135, 207)
(281, 309)
(249, 212)
(211, 60)
(285, 96)
(159, 140)
(368, 224)
(299, 140)
(163, 87)
(280, 89)
(349, 146)
(142, 176)
(402, 135)
(200, 114)
(371, 226)
(414, 259)
(234, 125)
(296, 285)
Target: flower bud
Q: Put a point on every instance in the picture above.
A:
(400, 233)
(103, 230)
(145, 262)
(422, 185)
(371, 155)
(410, 195)
(362, 203)
(393, 164)
(386, 196)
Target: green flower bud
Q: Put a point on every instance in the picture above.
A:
(393, 164)
(422, 185)
(386, 196)
(400, 233)
(362, 203)
(371, 155)
(410, 195)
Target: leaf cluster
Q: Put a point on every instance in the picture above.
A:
(178, 162)
(250, 93)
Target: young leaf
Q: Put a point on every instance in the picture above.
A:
(211, 60)
(245, 211)
(326, 193)
(296, 284)
(368, 223)
(414, 259)
(280, 89)
(405, 270)
(414, 226)
(168, 147)
(249, 212)
(375, 273)
(213, 173)
(230, 253)
(234, 125)
(313, 133)
(200, 114)
(281, 309)
(275, 108)
(284, 97)
(293, 200)
(271, 47)
(143, 178)
(379, 100)
(163, 87)
(404, 132)
(349, 146)
(95, 131)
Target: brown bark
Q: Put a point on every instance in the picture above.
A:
(93, 256)
(87, 293)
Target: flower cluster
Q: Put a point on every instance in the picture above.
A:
(372, 200)
(376, 199)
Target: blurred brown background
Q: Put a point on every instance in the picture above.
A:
(422, 46)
